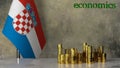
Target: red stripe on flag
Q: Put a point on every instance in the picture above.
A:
(38, 27)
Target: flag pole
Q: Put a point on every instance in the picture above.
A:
(18, 56)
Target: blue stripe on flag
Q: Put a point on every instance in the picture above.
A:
(20, 41)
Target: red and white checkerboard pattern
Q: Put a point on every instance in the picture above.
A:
(22, 23)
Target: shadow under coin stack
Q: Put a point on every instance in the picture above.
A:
(73, 56)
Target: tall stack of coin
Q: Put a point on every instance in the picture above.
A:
(89, 55)
(84, 54)
(60, 51)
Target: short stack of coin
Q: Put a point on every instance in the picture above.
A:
(79, 58)
(73, 56)
(67, 56)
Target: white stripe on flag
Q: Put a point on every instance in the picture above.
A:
(15, 8)
(32, 37)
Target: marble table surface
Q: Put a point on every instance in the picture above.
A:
(52, 63)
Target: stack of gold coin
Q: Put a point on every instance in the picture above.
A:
(67, 58)
(103, 57)
(89, 55)
(73, 56)
(79, 59)
(62, 59)
(101, 54)
(95, 55)
(84, 56)
(86, 52)
(60, 51)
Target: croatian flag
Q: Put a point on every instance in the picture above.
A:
(23, 28)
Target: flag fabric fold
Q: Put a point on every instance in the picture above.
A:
(23, 28)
